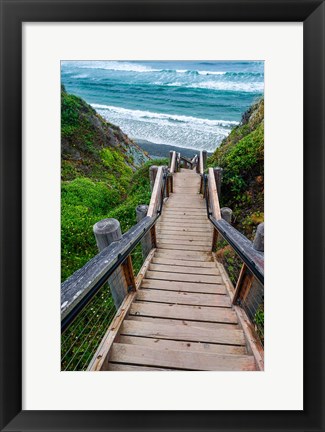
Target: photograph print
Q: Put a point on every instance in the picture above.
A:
(162, 215)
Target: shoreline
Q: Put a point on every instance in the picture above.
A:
(159, 151)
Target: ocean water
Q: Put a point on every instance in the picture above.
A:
(192, 104)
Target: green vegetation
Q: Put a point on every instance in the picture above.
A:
(104, 174)
(241, 155)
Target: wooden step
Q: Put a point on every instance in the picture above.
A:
(165, 344)
(183, 298)
(172, 268)
(185, 286)
(183, 333)
(171, 321)
(148, 356)
(183, 277)
(122, 367)
(164, 245)
(187, 255)
(180, 263)
(184, 242)
(194, 313)
(184, 237)
(167, 227)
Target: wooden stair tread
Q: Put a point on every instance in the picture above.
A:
(171, 321)
(183, 298)
(183, 332)
(181, 312)
(182, 346)
(148, 356)
(184, 286)
(179, 262)
(184, 269)
(182, 277)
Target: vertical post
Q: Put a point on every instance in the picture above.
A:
(170, 158)
(218, 177)
(141, 212)
(246, 278)
(171, 179)
(198, 164)
(226, 214)
(258, 242)
(204, 155)
(152, 175)
(106, 232)
(166, 191)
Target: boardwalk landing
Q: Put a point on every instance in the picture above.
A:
(182, 318)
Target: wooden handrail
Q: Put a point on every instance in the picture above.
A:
(173, 163)
(156, 193)
(213, 196)
(79, 288)
(201, 163)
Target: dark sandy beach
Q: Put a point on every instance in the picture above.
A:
(162, 150)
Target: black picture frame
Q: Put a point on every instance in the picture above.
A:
(13, 14)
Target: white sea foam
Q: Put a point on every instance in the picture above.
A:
(179, 130)
(249, 87)
(80, 76)
(148, 116)
(114, 66)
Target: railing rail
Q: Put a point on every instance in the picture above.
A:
(79, 288)
(253, 259)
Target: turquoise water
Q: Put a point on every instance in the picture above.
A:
(191, 104)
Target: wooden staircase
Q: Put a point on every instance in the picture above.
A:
(182, 317)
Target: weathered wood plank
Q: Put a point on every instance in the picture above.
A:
(188, 255)
(182, 277)
(182, 346)
(172, 268)
(181, 236)
(171, 321)
(183, 333)
(125, 353)
(155, 196)
(196, 313)
(175, 262)
(183, 242)
(181, 228)
(123, 367)
(183, 298)
(213, 195)
(217, 288)
(163, 245)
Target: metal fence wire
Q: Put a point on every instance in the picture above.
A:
(80, 340)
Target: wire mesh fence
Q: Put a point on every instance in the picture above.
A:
(252, 301)
(80, 340)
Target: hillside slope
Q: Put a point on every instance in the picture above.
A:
(241, 155)
(104, 174)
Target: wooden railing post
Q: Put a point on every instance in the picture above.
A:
(218, 178)
(258, 242)
(246, 278)
(204, 155)
(121, 281)
(171, 153)
(226, 214)
(152, 175)
(141, 212)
